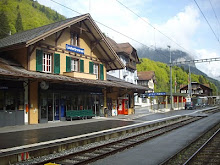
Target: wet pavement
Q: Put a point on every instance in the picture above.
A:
(154, 116)
(157, 150)
(15, 136)
(19, 138)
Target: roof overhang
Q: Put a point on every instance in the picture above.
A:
(9, 70)
(108, 54)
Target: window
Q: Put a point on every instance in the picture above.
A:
(74, 65)
(96, 70)
(47, 62)
(74, 40)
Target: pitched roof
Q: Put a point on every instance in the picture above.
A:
(30, 37)
(125, 83)
(146, 75)
(126, 48)
(182, 86)
(27, 36)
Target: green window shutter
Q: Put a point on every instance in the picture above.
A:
(39, 60)
(56, 63)
(91, 67)
(82, 66)
(101, 72)
(68, 64)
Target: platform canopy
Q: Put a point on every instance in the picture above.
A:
(11, 69)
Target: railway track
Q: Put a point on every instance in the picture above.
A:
(95, 153)
(208, 153)
(202, 151)
(214, 110)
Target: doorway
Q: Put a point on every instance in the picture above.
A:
(49, 107)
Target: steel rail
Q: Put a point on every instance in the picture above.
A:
(173, 157)
(126, 140)
(199, 150)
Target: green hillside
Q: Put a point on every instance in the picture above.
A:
(19, 15)
(162, 72)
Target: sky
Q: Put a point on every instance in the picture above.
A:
(156, 24)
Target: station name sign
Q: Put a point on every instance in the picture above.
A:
(74, 49)
(156, 94)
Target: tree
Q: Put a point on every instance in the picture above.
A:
(4, 28)
(18, 24)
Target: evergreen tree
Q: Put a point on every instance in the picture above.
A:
(18, 24)
(4, 28)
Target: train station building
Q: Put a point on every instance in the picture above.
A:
(63, 66)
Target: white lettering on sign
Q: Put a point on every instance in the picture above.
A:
(74, 49)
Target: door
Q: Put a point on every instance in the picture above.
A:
(125, 106)
(120, 107)
(43, 109)
(50, 109)
(57, 107)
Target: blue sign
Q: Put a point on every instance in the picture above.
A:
(74, 49)
(156, 94)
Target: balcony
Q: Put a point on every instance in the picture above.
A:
(129, 65)
(80, 75)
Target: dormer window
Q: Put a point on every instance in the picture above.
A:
(74, 39)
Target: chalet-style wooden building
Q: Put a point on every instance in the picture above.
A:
(197, 89)
(62, 66)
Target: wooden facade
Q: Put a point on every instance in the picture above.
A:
(62, 66)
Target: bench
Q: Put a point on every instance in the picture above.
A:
(79, 114)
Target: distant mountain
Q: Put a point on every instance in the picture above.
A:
(163, 55)
(162, 73)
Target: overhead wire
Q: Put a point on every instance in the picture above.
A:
(207, 21)
(215, 14)
(108, 27)
(153, 26)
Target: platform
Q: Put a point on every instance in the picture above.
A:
(15, 137)
(159, 149)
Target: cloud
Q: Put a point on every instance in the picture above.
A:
(211, 69)
(111, 13)
(182, 27)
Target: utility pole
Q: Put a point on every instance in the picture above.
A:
(190, 84)
(175, 84)
(171, 94)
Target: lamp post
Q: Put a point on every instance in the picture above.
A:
(171, 94)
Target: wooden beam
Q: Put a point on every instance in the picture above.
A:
(81, 29)
(99, 44)
(94, 44)
(30, 51)
(58, 49)
(58, 37)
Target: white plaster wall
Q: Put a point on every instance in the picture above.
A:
(125, 74)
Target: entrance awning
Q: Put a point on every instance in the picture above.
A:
(11, 69)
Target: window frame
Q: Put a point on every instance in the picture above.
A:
(77, 66)
(75, 39)
(96, 68)
(46, 66)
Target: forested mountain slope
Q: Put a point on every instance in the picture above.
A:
(162, 72)
(19, 15)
